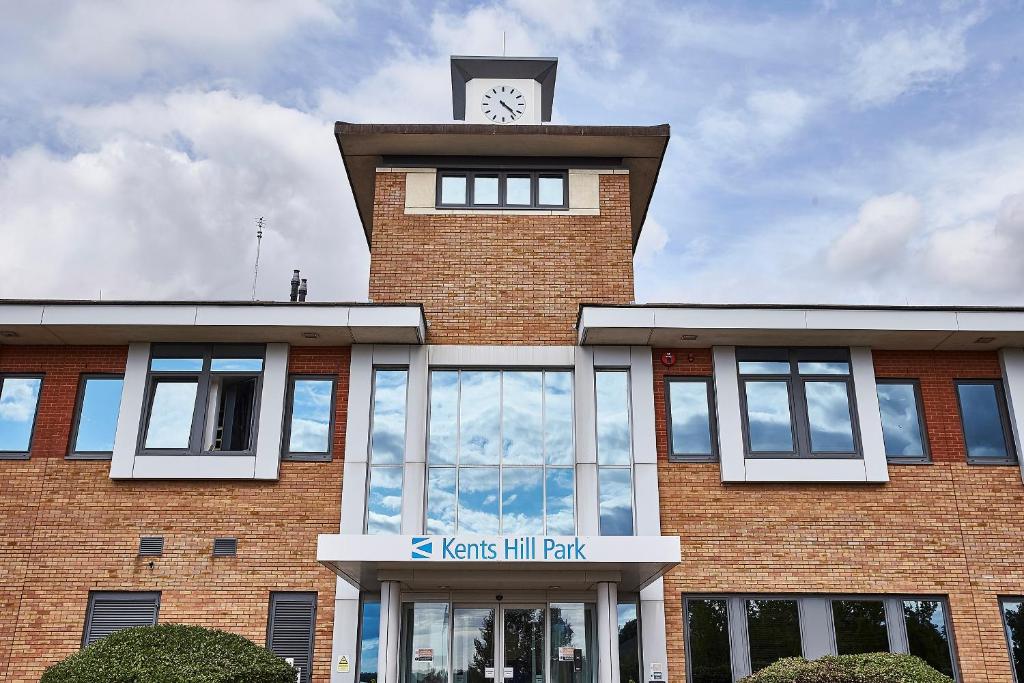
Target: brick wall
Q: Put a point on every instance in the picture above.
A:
(946, 528)
(494, 279)
(66, 528)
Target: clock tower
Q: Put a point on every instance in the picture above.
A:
(503, 90)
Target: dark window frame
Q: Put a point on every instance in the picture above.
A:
(27, 453)
(308, 456)
(1002, 600)
(1004, 419)
(799, 419)
(502, 175)
(202, 378)
(313, 598)
(83, 379)
(115, 596)
(922, 424)
(712, 418)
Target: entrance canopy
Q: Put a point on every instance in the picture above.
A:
(467, 562)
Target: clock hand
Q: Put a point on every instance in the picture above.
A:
(506, 106)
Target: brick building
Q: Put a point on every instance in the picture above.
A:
(502, 468)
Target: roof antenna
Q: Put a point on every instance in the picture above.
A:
(502, 43)
(259, 241)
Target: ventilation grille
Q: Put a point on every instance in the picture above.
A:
(225, 547)
(292, 621)
(151, 546)
(110, 612)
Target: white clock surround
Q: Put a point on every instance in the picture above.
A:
(530, 89)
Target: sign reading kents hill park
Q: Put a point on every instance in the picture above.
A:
(507, 549)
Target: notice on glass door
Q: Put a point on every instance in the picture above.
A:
(565, 654)
(424, 654)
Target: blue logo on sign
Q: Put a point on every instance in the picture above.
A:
(422, 547)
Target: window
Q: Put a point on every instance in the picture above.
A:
(99, 400)
(202, 399)
(797, 403)
(291, 624)
(109, 612)
(629, 642)
(614, 452)
(19, 403)
(387, 451)
(309, 424)
(503, 190)
(691, 433)
(500, 452)
(1013, 623)
(369, 639)
(902, 420)
(985, 421)
(732, 636)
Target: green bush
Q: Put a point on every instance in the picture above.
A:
(171, 653)
(875, 667)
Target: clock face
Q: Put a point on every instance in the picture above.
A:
(503, 104)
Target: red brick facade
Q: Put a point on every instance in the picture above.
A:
(67, 528)
(947, 528)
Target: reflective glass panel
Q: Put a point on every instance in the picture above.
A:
(97, 419)
(369, 641)
(773, 628)
(309, 431)
(453, 190)
(478, 500)
(551, 190)
(236, 365)
(860, 626)
(691, 418)
(613, 433)
(387, 440)
(517, 190)
(384, 501)
(19, 397)
(473, 640)
(769, 425)
(523, 644)
(558, 418)
(441, 500)
(176, 364)
(823, 368)
(522, 501)
(571, 639)
(616, 501)
(629, 643)
(425, 639)
(444, 405)
(928, 633)
(982, 420)
(828, 412)
(521, 413)
(480, 417)
(901, 424)
(561, 509)
(707, 624)
(485, 190)
(1013, 621)
(764, 367)
(170, 416)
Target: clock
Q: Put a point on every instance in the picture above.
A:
(503, 104)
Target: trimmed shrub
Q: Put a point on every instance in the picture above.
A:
(875, 667)
(171, 653)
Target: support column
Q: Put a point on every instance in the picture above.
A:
(346, 632)
(607, 632)
(390, 618)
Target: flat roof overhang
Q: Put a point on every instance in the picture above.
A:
(123, 322)
(365, 560)
(639, 149)
(883, 327)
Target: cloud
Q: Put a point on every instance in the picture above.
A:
(653, 241)
(160, 201)
(878, 238)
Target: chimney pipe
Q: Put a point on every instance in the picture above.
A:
(294, 295)
(302, 290)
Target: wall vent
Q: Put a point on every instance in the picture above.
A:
(225, 547)
(151, 546)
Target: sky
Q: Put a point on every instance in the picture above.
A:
(821, 152)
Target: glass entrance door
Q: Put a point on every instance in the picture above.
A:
(522, 636)
(473, 645)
